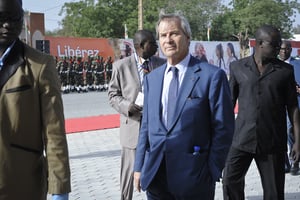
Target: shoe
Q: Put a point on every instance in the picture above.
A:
(287, 170)
(287, 166)
(295, 169)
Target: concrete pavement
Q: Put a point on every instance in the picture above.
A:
(95, 159)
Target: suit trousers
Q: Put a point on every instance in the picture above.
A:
(270, 168)
(126, 173)
(158, 189)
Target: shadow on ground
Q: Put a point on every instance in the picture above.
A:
(112, 153)
(287, 196)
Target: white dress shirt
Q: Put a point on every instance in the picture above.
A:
(182, 67)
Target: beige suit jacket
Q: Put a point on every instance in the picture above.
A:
(33, 146)
(123, 89)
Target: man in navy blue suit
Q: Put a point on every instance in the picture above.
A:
(165, 164)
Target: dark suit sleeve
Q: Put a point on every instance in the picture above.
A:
(234, 87)
(222, 123)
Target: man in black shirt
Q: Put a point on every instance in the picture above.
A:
(265, 88)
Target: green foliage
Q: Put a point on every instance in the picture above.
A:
(106, 18)
(198, 12)
(246, 16)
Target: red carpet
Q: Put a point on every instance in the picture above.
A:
(92, 123)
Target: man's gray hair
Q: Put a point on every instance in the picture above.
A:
(185, 25)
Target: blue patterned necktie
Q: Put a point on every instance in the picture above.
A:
(145, 67)
(172, 96)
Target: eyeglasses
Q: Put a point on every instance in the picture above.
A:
(285, 49)
(153, 43)
(276, 45)
(10, 19)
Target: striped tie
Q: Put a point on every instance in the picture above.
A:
(143, 70)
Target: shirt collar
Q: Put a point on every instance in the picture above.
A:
(140, 60)
(182, 65)
(5, 54)
(288, 60)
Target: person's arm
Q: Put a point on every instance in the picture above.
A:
(53, 128)
(222, 123)
(294, 115)
(115, 95)
(142, 144)
(234, 88)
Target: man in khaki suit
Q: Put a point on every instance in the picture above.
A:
(33, 146)
(125, 95)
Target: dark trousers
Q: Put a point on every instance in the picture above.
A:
(291, 141)
(270, 167)
(158, 189)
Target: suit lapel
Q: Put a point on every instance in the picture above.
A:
(269, 69)
(251, 65)
(158, 78)
(151, 63)
(134, 71)
(14, 61)
(154, 63)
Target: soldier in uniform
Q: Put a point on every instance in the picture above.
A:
(64, 75)
(72, 73)
(108, 72)
(58, 66)
(89, 73)
(79, 79)
(99, 74)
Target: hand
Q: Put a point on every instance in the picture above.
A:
(298, 89)
(133, 108)
(295, 152)
(60, 196)
(137, 182)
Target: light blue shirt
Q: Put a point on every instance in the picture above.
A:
(60, 196)
(4, 56)
(182, 67)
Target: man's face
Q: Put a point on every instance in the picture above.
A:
(271, 46)
(173, 42)
(149, 48)
(11, 21)
(285, 52)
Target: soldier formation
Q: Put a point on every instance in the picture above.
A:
(78, 75)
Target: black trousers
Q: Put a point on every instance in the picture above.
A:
(158, 189)
(271, 171)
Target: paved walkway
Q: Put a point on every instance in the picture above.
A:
(95, 157)
(95, 163)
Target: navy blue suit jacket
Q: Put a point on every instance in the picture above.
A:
(204, 117)
(296, 65)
